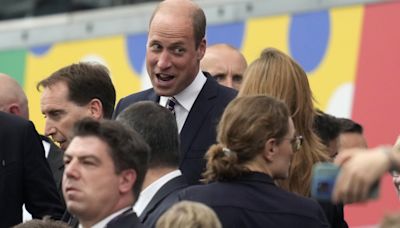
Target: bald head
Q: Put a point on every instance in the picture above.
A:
(12, 97)
(225, 63)
(188, 10)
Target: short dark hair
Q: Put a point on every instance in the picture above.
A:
(158, 127)
(128, 149)
(85, 81)
(326, 126)
(350, 126)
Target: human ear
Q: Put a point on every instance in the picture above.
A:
(127, 180)
(96, 109)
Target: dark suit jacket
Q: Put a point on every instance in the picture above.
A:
(125, 220)
(199, 131)
(253, 200)
(165, 197)
(25, 176)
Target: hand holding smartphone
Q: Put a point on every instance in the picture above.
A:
(324, 179)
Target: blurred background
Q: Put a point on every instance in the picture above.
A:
(349, 49)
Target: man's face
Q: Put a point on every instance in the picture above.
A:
(90, 184)
(61, 114)
(172, 59)
(350, 140)
(227, 67)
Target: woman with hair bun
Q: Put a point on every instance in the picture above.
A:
(256, 142)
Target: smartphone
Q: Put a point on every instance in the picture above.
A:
(324, 179)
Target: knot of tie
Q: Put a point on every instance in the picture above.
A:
(171, 104)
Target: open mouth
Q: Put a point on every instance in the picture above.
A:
(164, 77)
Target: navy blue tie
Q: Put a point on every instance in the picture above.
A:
(171, 104)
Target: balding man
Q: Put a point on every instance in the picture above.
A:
(225, 63)
(13, 100)
(25, 175)
(176, 44)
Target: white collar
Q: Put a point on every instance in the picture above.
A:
(103, 223)
(187, 97)
(148, 193)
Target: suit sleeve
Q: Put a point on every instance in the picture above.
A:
(40, 191)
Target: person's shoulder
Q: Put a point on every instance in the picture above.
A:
(139, 96)
(13, 121)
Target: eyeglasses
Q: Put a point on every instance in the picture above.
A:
(296, 142)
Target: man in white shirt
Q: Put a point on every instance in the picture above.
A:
(105, 165)
(176, 44)
(163, 179)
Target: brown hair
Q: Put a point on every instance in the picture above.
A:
(85, 81)
(187, 214)
(276, 74)
(247, 123)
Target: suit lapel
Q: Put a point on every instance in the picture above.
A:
(153, 96)
(198, 113)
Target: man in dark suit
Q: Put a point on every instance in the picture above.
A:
(25, 176)
(105, 165)
(173, 64)
(163, 179)
(13, 100)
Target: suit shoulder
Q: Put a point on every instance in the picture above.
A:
(13, 122)
(130, 99)
(139, 96)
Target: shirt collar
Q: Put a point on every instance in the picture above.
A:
(148, 193)
(187, 97)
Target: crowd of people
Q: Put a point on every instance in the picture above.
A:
(214, 143)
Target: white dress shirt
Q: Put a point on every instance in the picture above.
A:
(148, 193)
(186, 99)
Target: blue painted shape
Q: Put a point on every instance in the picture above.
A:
(231, 33)
(40, 50)
(309, 38)
(136, 49)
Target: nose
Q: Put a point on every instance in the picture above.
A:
(164, 60)
(71, 169)
(228, 81)
(49, 129)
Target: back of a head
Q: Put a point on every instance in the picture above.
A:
(276, 74)
(158, 127)
(12, 97)
(187, 214)
(128, 149)
(245, 126)
(45, 223)
(85, 81)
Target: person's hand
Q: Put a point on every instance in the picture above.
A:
(360, 169)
